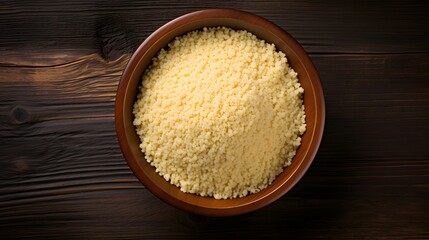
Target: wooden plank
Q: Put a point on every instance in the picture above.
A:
(62, 117)
(41, 30)
(62, 173)
(137, 214)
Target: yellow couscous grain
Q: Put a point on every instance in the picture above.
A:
(220, 113)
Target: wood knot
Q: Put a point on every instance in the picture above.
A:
(19, 115)
(114, 38)
(21, 165)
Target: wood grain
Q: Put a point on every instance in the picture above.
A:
(334, 27)
(62, 174)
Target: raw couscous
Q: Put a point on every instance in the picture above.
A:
(219, 113)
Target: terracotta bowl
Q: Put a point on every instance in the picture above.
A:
(131, 79)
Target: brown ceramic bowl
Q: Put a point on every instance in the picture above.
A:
(131, 79)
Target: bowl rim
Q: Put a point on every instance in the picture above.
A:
(130, 69)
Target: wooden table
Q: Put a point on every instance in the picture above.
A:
(63, 175)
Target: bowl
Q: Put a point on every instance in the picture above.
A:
(264, 29)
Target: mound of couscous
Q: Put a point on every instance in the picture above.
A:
(220, 113)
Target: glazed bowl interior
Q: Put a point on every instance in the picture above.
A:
(131, 79)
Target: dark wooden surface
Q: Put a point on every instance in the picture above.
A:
(62, 174)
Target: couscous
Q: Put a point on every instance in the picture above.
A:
(220, 113)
